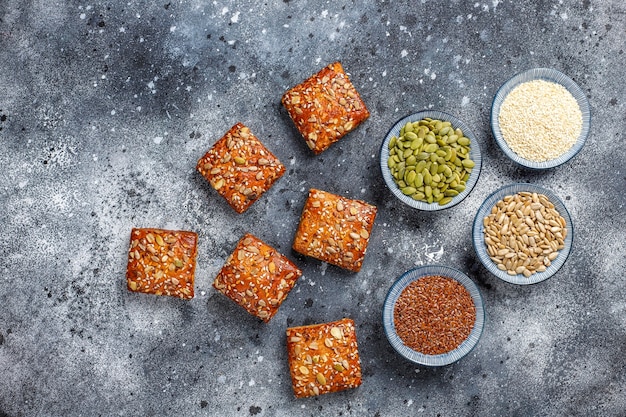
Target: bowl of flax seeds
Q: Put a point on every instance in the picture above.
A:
(433, 315)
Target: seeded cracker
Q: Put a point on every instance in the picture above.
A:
(335, 229)
(257, 277)
(323, 358)
(240, 167)
(162, 262)
(325, 107)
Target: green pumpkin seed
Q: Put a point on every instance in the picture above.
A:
(428, 179)
(411, 160)
(428, 191)
(417, 143)
(452, 155)
(392, 142)
(430, 148)
(445, 201)
(408, 190)
(419, 180)
(463, 141)
(433, 168)
(391, 162)
(420, 166)
(418, 196)
(410, 177)
(468, 163)
(451, 193)
(410, 135)
(423, 156)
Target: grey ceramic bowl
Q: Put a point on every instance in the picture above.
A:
(551, 75)
(417, 357)
(474, 154)
(478, 236)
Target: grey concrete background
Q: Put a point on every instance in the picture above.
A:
(105, 107)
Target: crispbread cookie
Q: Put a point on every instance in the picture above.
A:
(325, 107)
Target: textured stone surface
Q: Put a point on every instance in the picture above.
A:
(105, 108)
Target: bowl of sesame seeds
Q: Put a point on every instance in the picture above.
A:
(540, 118)
(433, 315)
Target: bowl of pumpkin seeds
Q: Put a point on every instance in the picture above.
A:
(430, 160)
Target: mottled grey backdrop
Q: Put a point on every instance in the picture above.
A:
(105, 108)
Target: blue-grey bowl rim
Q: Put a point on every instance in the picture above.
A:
(479, 243)
(475, 154)
(546, 74)
(445, 358)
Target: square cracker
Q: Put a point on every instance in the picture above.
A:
(162, 262)
(240, 167)
(335, 229)
(323, 358)
(257, 277)
(325, 107)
